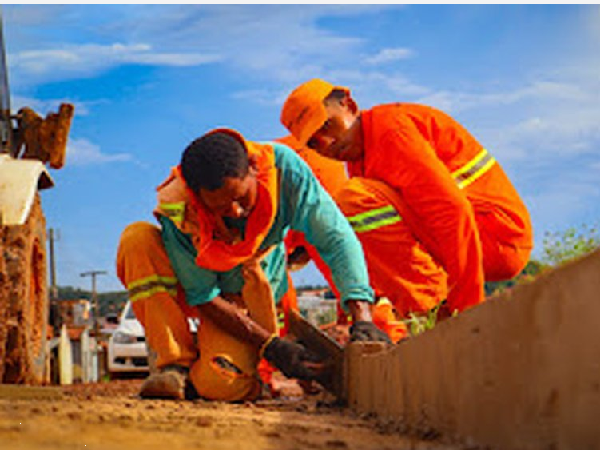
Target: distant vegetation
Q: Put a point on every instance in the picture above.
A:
(561, 247)
(531, 270)
(558, 248)
(109, 301)
(113, 302)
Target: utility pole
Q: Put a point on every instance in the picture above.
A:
(53, 289)
(94, 274)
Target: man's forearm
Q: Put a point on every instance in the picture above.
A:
(235, 321)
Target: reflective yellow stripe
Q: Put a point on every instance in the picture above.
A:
(145, 287)
(373, 219)
(360, 217)
(474, 169)
(174, 211)
(280, 320)
(147, 293)
(152, 279)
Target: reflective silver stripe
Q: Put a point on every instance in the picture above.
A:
(474, 169)
(373, 219)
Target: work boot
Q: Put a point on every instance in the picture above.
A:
(169, 383)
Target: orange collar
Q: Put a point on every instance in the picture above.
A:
(214, 241)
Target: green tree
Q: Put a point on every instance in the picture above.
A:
(562, 246)
(110, 302)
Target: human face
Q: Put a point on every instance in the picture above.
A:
(235, 199)
(340, 137)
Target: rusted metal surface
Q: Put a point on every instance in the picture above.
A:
(45, 139)
(24, 256)
(4, 304)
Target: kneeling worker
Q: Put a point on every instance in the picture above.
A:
(224, 212)
(435, 213)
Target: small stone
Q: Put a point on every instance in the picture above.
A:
(74, 415)
(204, 422)
(336, 443)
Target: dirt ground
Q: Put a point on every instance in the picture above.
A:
(109, 416)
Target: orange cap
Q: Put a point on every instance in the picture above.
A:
(303, 112)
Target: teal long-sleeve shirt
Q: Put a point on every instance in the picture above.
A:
(304, 206)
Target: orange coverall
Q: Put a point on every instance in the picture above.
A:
(432, 209)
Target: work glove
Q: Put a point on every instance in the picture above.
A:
(363, 331)
(294, 360)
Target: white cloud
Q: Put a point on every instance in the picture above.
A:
(278, 39)
(21, 16)
(282, 43)
(540, 90)
(84, 60)
(562, 135)
(373, 87)
(562, 202)
(83, 152)
(557, 116)
(593, 22)
(368, 87)
(389, 55)
(260, 97)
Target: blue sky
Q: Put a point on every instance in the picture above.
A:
(148, 79)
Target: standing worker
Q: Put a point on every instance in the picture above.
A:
(433, 209)
(224, 212)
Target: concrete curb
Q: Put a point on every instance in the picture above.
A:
(521, 371)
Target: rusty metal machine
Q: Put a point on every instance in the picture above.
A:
(29, 143)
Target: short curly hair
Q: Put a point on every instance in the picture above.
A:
(208, 160)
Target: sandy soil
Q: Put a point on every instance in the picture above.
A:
(109, 416)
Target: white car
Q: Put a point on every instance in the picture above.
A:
(127, 350)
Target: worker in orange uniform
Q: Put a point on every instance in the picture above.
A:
(219, 254)
(435, 213)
